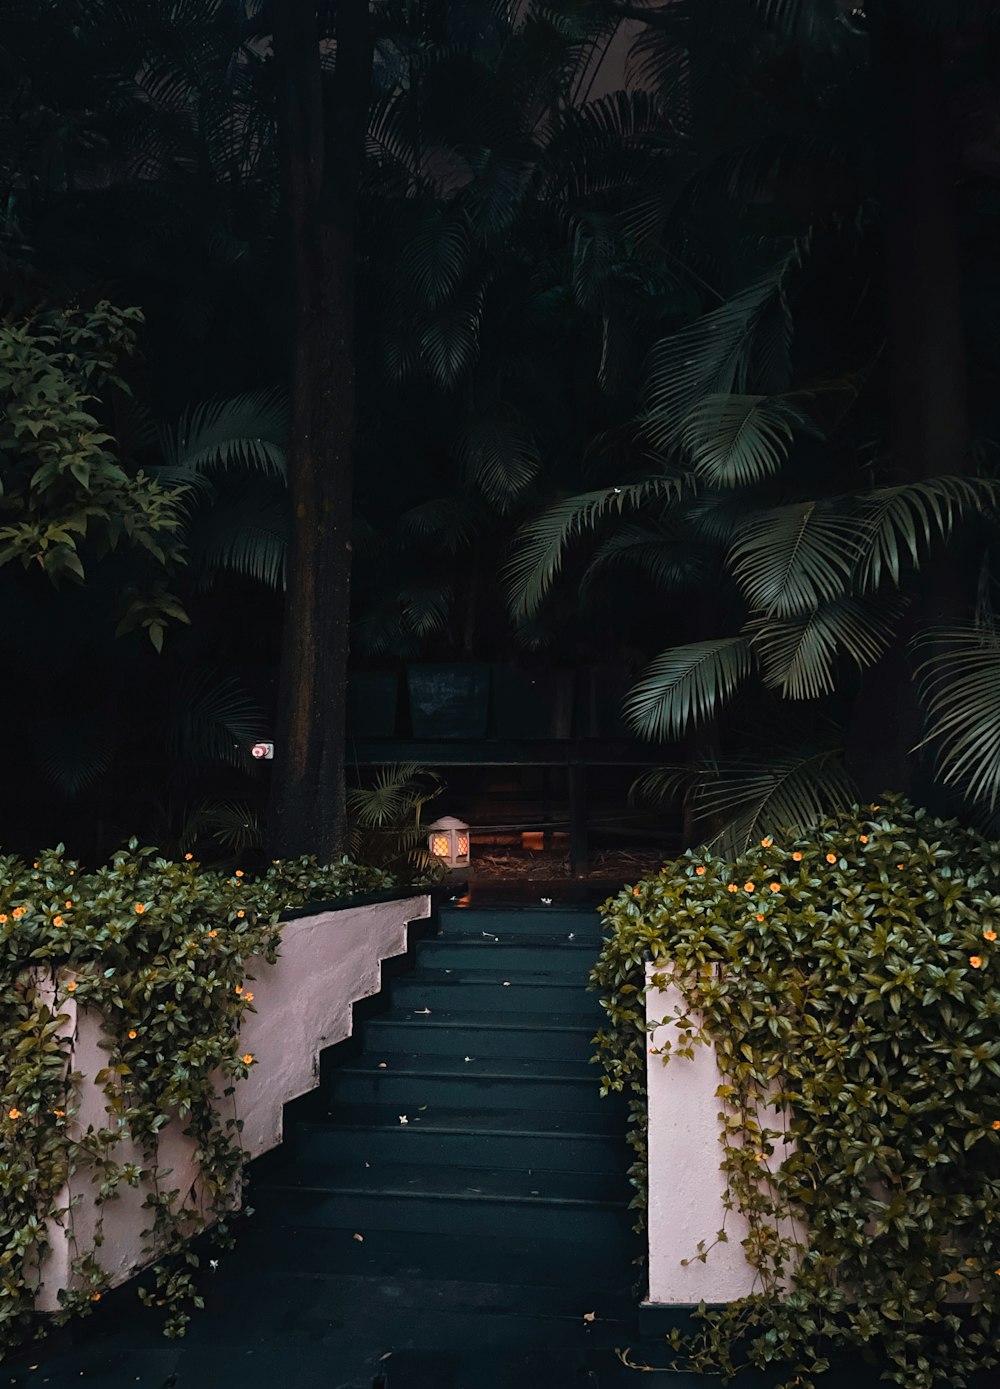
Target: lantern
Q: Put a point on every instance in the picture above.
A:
(449, 841)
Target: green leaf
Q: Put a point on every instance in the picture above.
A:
(686, 685)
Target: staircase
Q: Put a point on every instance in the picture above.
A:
(467, 1189)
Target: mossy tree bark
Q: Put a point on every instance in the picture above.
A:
(322, 128)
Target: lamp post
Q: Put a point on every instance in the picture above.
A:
(450, 841)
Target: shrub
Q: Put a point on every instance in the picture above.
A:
(160, 950)
(851, 977)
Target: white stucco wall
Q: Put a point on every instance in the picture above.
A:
(686, 1183)
(303, 1004)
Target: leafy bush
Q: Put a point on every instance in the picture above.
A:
(851, 978)
(160, 950)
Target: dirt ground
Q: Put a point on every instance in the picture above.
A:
(503, 864)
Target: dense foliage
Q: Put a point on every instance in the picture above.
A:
(848, 980)
(161, 951)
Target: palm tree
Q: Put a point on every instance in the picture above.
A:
(795, 503)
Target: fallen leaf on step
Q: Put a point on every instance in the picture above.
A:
(403, 1119)
(422, 1107)
(547, 901)
(389, 1352)
(468, 1058)
(368, 1164)
(360, 1238)
(506, 983)
(424, 1011)
(590, 1316)
(571, 936)
(383, 1065)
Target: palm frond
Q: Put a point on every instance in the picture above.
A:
(541, 545)
(655, 552)
(959, 688)
(232, 825)
(499, 458)
(211, 718)
(435, 259)
(791, 559)
(75, 752)
(790, 791)
(686, 685)
(798, 655)
(449, 342)
(248, 432)
(712, 356)
(897, 523)
(246, 534)
(737, 440)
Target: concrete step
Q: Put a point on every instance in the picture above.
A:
(483, 992)
(528, 956)
(523, 1035)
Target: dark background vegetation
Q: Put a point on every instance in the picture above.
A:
(675, 341)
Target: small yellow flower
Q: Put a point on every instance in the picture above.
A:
(188, 858)
(69, 901)
(95, 1297)
(760, 916)
(132, 1034)
(700, 870)
(3, 918)
(241, 912)
(875, 807)
(37, 864)
(13, 1114)
(57, 921)
(71, 986)
(989, 935)
(732, 888)
(18, 912)
(139, 908)
(766, 843)
(748, 887)
(976, 961)
(238, 873)
(239, 988)
(212, 935)
(775, 887)
(831, 858)
(899, 865)
(59, 1113)
(864, 838)
(995, 1125)
(248, 997)
(635, 892)
(247, 1059)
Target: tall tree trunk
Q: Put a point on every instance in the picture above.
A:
(323, 153)
(928, 410)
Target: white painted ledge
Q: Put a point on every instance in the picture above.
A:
(687, 1186)
(303, 1004)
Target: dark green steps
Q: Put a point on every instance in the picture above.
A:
(553, 923)
(467, 1161)
(489, 992)
(522, 957)
(412, 1081)
(461, 1034)
(482, 1256)
(468, 1209)
(447, 1145)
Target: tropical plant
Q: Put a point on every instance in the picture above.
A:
(846, 979)
(802, 543)
(386, 819)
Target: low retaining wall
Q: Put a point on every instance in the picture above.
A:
(303, 1003)
(687, 1187)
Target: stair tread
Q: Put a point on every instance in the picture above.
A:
(426, 974)
(478, 1018)
(434, 1065)
(508, 1119)
(396, 1180)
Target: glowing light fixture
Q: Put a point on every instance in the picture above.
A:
(449, 840)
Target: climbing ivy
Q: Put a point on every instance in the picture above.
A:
(160, 951)
(849, 982)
